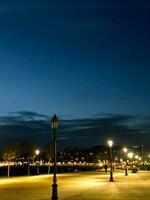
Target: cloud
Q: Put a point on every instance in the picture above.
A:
(29, 114)
(84, 132)
(22, 118)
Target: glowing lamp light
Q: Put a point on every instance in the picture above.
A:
(125, 150)
(136, 156)
(54, 122)
(110, 143)
(37, 152)
(130, 155)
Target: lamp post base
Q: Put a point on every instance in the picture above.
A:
(54, 192)
(111, 177)
(126, 173)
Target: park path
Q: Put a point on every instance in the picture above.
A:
(97, 187)
(78, 186)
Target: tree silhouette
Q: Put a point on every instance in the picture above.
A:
(9, 155)
(49, 152)
(27, 148)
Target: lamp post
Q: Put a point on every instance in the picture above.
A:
(130, 155)
(37, 152)
(126, 167)
(54, 125)
(136, 157)
(140, 159)
(137, 162)
(110, 144)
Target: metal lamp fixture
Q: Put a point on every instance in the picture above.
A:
(54, 125)
(110, 144)
(125, 150)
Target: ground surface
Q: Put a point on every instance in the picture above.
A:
(78, 186)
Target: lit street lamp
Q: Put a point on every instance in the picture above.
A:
(54, 125)
(130, 155)
(126, 167)
(137, 161)
(37, 152)
(136, 156)
(110, 144)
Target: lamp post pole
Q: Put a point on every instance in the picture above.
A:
(37, 152)
(126, 166)
(54, 124)
(126, 169)
(130, 155)
(111, 166)
(110, 143)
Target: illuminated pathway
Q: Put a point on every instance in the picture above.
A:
(78, 186)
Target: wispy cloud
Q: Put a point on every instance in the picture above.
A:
(78, 132)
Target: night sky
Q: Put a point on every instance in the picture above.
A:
(88, 61)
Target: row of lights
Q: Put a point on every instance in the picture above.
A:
(125, 150)
(54, 125)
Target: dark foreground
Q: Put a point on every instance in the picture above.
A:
(78, 186)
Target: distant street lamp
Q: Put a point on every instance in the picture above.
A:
(126, 167)
(54, 125)
(130, 155)
(140, 159)
(110, 144)
(37, 152)
(137, 162)
(136, 156)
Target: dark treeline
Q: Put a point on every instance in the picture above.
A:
(27, 160)
(26, 151)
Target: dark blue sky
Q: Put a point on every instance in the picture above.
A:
(75, 58)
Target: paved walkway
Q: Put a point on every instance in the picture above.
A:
(78, 186)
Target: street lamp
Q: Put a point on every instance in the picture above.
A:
(130, 155)
(37, 152)
(110, 144)
(137, 162)
(54, 125)
(126, 167)
(136, 156)
(125, 150)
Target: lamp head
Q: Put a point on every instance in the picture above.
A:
(125, 150)
(110, 143)
(130, 155)
(54, 122)
(37, 152)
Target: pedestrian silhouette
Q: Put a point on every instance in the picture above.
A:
(105, 167)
